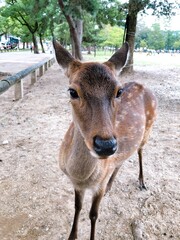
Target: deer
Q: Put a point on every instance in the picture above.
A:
(111, 121)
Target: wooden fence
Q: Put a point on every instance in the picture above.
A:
(17, 79)
(13, 50)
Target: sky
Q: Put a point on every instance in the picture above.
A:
(166, 24)
(2, 3)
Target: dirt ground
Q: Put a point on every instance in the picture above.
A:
(37, 199)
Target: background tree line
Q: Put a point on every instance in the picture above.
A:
(87, 22)
(155, 38)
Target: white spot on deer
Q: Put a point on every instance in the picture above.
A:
(141, 96)
(130, 95)
(135, 114)
(153, 104)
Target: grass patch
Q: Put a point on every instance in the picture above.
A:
(140, 59)
(101, 56)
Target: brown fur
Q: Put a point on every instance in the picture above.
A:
(97, 112)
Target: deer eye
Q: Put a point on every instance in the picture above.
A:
(119, 92)
(73, 93)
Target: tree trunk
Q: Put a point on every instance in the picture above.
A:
(42, 46)
(89, 49)
(76, 44)
(73, 47)
(77, 40)
(36, 50)
(131, 22)
(134, 7)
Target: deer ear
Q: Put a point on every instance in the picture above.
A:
(118, 59)
(64, 58)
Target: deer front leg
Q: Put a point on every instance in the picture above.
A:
(141, 177)
(79, 196)
(109, 185)
(93, 215)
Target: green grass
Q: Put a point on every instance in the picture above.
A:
(140, 59)
(101, 56)
(162, 59)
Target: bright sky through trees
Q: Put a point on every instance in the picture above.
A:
(170, 24)
(166, 24)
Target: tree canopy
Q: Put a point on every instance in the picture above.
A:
(95, 22)
(112, 36)
(34, 17)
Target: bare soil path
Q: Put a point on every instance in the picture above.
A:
(13, 62)
(37, 199)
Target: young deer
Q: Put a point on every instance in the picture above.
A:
(110, 123)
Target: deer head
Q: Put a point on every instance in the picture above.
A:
(95, 95)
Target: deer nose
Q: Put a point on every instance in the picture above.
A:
(105, 147)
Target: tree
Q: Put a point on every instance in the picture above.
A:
(103, 11)
(156, 38)
(159, 7)
(32, 16)
(6, 25)
(143, 44)
(110, 12)
(3, 25)
(171, 38)
(90, 33)
(112, 35)
(50, 20)
(74, 29)
(61, 32)
(73, 12)
(141, 34)
(176, 45)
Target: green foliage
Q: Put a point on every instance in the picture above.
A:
(176, 45)
(35, 16)
(112, 35)
(155, 38)
(162, 7)
(143, 44)
(77, 8)
(90, 31)
(141, 34)
(5, 24)
(61, 32)
(110, 12)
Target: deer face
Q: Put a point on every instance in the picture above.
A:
(94, 95)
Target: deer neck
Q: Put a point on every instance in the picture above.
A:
(81, 164)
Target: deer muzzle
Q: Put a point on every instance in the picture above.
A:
(105, 147)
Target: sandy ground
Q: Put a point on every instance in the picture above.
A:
(37, 199)
(13, 62)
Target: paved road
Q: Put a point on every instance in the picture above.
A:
(13, 62)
